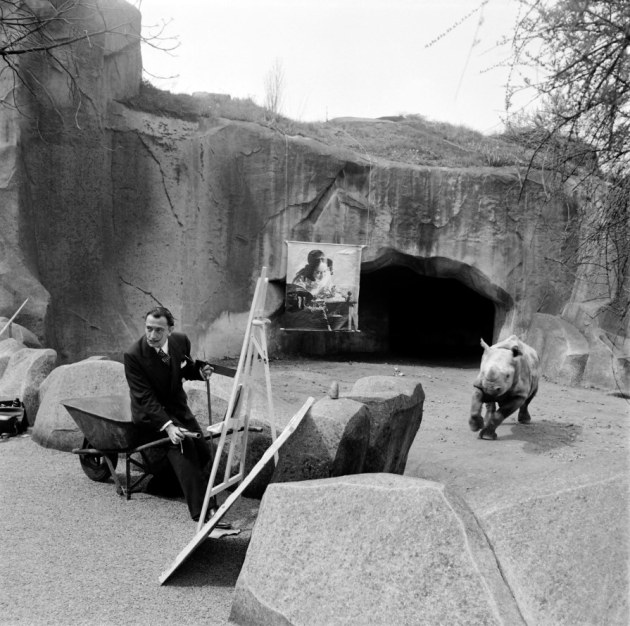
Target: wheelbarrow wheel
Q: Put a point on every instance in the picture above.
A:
(95, 466)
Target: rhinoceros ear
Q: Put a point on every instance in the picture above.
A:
(516, 349)
(484, 345)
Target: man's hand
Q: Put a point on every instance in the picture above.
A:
(175, 433)
(206, 371)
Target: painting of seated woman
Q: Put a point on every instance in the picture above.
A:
(322, 291)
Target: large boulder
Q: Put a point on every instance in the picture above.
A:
(369, 429)
(331, 440)
(25, 372)
(395, 405)
(563, 350)
(198, 399)
(17, 282)
(54, 427)
(369, 549)
(565, 554)
(8, 348)
(608, 364)
(258, 440)
(19, 333)
(257, 443)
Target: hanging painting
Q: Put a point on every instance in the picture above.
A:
(322, 286)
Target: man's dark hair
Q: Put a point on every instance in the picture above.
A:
(161, 311)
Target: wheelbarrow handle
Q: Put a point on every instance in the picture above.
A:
(187, 433)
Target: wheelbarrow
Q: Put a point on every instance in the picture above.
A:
(109, 432)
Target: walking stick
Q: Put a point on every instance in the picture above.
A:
(14, 316)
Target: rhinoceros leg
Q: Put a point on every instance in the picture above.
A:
(523, 413)
(495, 418)
(487, 432)
(476, 421)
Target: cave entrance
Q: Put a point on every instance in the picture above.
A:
(428, 307)
(411, 315)
(417, 308)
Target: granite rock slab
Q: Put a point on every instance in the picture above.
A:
(7, 348)
(25, 372)
(566, 555)
(54, 427)
(395, 405)
(332, 440)
(378, 549)
(19, 333)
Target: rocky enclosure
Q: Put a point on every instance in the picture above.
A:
(108, 210)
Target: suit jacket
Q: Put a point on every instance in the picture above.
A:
(157, 394)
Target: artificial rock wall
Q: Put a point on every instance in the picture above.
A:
(109, 210)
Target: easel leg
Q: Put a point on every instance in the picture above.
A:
(238, 420)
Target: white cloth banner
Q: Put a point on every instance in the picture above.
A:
(322, 286)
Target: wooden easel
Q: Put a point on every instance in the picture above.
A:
(236, 423)
(208, 527)
(253, 353)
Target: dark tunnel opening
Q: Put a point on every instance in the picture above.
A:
(410, 315)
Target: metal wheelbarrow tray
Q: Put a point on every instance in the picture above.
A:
(109, 431)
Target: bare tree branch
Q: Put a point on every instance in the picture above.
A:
(580, 51)
(55, 33)
(274, 90)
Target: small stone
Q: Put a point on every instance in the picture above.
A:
(333, 391)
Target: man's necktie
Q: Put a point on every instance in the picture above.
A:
(165, 358)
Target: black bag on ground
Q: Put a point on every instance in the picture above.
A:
(13, 419)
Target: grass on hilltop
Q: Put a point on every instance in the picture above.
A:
(408, 139)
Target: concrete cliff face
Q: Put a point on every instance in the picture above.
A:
(132, 209)
(58, 200)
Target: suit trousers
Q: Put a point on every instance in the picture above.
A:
(191, 465)
(188, 465)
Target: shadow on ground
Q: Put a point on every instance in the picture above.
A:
(544, 435)
(216, 563)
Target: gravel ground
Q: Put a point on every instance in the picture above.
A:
(74, 552)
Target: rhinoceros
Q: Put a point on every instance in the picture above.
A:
(508, 376)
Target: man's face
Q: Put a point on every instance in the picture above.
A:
(157, 331)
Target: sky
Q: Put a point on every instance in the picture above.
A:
(357, 58)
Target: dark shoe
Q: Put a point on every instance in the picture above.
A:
(211, 514)
(223, 525)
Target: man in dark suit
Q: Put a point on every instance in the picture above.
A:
(155, 367)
